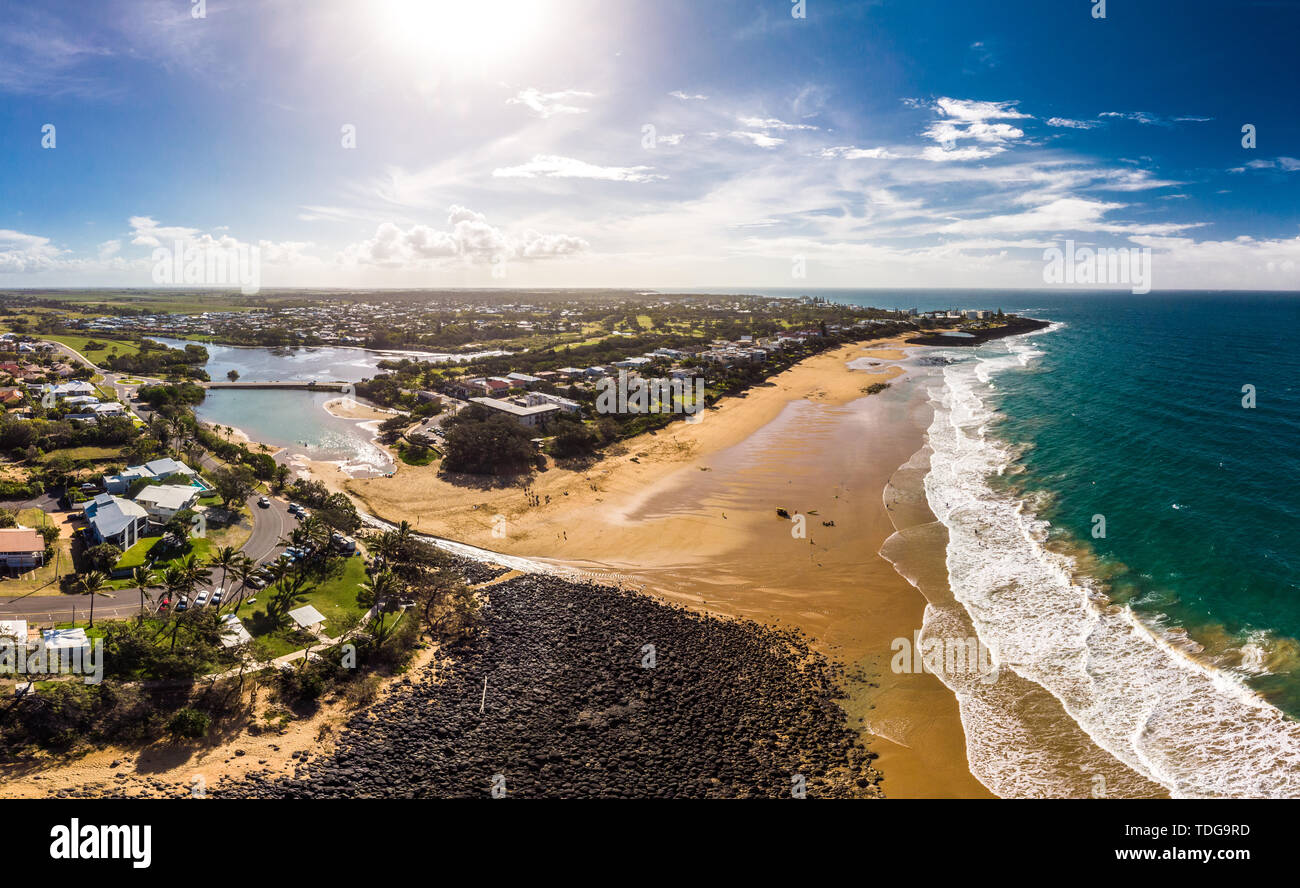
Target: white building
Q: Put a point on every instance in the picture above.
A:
(531, 417)
(163, 501)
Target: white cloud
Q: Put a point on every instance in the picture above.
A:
(1069, 123)
(25, 253)
(849, 152)
(1287, 164)
(1063, 214)
(472, 239)
(762, 140)
(940, 154)
(550, 166)
(686, 97)
(965, 120)
(1148, 119)
(549, 104)
(771, 123)
(976, 112)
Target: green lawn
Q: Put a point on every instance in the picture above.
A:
(151, 547)
(84, 453)
(335, 598)
(404, 452)
(78, 343)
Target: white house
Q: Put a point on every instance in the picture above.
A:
(159, 469)
(163, 501)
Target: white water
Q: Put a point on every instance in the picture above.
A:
(1195, 730)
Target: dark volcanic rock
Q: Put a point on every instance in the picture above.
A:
(575, 708)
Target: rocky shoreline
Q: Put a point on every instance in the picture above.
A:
(578, 704)
(1013, 327)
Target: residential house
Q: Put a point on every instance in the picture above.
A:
(158, 469)
(115, 520)
(14, 633)
(65, 646)
(163, 501)
(467, 387)
(68, 389)
(523, 380)
(21, 548)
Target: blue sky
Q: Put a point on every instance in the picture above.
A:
(888, 144)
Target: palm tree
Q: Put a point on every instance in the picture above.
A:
(92, 584)
(379, 589)
(174, 580)
(195, 573)
(144, 578)
(179, 428)
(225, 558)
(245, 569)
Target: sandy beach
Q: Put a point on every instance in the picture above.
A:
(689, 514)
(350, 408)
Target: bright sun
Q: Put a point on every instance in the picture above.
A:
(460, 31)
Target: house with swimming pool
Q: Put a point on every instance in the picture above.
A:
(156, 470)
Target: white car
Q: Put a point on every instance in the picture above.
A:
(201, 599)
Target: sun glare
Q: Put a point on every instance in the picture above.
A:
(461, 31)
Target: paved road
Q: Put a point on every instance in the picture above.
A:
(270, 525)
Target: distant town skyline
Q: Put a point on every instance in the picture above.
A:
(572, 143)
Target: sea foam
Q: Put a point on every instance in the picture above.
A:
(1196, 730)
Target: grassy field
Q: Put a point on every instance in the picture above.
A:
(110, 346)
(94, 304)
(88, 453)
(335, 598)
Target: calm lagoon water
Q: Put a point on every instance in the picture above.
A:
(298, 420)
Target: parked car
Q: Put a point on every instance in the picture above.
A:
(294, 508)
(216, 597)
(256, 583)
(201, 599)
(183, 604)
